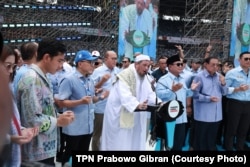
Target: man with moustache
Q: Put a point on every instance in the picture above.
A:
(123, 128)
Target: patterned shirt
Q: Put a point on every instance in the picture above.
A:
(36, 105)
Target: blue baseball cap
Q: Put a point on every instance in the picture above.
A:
(84, 55)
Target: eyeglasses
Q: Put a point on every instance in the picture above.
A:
(215, 65)
(178, 64)
(10, 66)
(97, 63)
(124, 61)
(247, 58)
(90, 62)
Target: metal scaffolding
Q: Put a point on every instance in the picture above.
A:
(208, 22)
(80, 24)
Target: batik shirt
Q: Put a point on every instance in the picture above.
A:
(36, 106)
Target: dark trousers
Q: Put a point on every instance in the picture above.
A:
(48, 161)
(222, 126)
(238, 122)
(205, 134)
(179, 136)
(61, 149)
(98, 121)
(75, 143)
(190, 130)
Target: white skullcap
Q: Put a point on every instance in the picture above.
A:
(142, 57)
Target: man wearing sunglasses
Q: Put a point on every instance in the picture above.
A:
(98, 62)
(238, 105)
(170, 87)
(125, 63)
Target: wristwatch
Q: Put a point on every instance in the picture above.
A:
(100, 98)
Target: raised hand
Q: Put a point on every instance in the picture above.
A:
(106, 77)
(176, 87)
(104, 94)
(178, 47)
(244, 87)
(143, 106)
(194, 85)
(86, 99)
(65, 118)
(214, 99)
(222, 79)
(26, 136)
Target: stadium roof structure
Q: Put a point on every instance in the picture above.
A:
(204, 22)
(80, 23)
(172, 7)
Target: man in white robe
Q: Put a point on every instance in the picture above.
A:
(123, 128)
(135, 17)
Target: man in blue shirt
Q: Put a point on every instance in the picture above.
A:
(238, 113)
(77, 93)
(170, 87)
(207, 105)
(103, 77)
(29, 55)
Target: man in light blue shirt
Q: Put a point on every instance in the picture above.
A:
(238, 112)
(77, 93)
(170, 87)
(207, 102)
(29, 54)
(103, 77)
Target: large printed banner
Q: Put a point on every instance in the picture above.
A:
(138, 28)
(240, 37)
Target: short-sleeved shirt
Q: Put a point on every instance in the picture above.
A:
(74, 87)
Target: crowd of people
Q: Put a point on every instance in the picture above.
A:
(52, 108)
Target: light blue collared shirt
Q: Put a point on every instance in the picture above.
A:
(75, 87)
(234, 78)
(19, 73)
(188, 76)
(97, 76)
(164, 92)
(204, 109)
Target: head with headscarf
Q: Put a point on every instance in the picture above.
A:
(140, 6)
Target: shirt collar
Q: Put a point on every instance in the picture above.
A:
(173, 77)
(207, 74)
(79, 75)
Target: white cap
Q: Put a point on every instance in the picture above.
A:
(96, 53)
(142, 57)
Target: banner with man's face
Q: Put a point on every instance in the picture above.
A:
(138, 28)
(240, 36)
